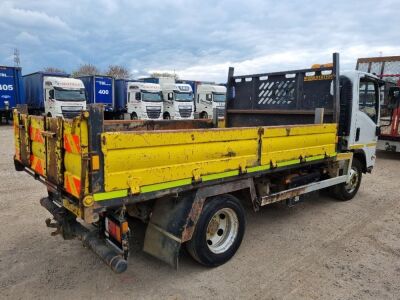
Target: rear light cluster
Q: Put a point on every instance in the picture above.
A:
(115, 230)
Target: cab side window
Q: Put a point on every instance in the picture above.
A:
(369, 98)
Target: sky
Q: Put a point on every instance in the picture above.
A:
(196, 39)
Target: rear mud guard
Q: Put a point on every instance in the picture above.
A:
(174, 219)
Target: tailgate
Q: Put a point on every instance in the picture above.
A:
(53, 150)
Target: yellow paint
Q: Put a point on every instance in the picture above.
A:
(95, 163)
(360, 146)
(135, 160)
(159, 157)
(38, 146)
(72, 208)
(143, 162)
(344, 156)
(73, 160)
(88, 201)
(293, 143)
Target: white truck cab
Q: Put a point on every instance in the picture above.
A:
(360, 100)
(64, 97)
(178, 100)
(208, 98)
(144, 101)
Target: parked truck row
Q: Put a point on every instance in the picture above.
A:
(286, 134)
(58, 94)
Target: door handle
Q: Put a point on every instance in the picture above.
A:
(357, 134)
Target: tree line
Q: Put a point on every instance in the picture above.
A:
(116, 71)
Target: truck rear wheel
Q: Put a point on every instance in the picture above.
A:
(219, 231)
(346, 191)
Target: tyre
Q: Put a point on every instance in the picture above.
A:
(134, 116)
(219, 231)
(167, 116)
(346, 191)
(203, 115)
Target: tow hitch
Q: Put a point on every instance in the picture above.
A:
(66, 225)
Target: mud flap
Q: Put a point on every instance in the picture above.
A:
(173, 220)
(164, 231)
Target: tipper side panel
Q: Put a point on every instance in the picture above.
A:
(141, 162)
(138, 159)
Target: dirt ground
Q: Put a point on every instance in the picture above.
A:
(319, 249)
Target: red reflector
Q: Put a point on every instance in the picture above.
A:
(114, 230)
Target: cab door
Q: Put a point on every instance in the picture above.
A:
(367, 118)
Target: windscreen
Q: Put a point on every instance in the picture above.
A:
(183, 97)
(219, 97)
(61, 94)
(151, 97)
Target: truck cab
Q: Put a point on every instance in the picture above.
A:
(362, 115)
(64, 97)
(178, 101)
(177, 98)
(144, 101)
(208, 98)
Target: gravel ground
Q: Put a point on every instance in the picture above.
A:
(319, 249)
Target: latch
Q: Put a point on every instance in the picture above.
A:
(48, 134)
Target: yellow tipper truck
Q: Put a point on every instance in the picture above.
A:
(286, 134)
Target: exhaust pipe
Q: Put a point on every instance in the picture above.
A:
(70, 228)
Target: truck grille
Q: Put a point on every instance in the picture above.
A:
(153, 113)
(68, 114)
(185, 113)
(220, 112)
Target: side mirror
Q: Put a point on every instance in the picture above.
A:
(51, 94)
(138, 97)
(171, 96)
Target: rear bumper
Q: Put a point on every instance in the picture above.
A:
(66, 224)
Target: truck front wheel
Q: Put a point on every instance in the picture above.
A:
(204, 115)
(134, 116)
(219, 231)
(346, 191)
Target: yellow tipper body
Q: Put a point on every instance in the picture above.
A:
(146, 161)
(137, 160)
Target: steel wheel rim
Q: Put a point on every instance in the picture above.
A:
(351, 185)
(222, 230)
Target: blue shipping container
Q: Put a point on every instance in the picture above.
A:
(100, 89)
(34, 88)
(11, 88)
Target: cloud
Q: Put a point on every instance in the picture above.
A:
(197, 39)
(25, 37)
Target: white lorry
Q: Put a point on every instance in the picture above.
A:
(208, 98)
(54, 94)
(144, 101)
(178, 98)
